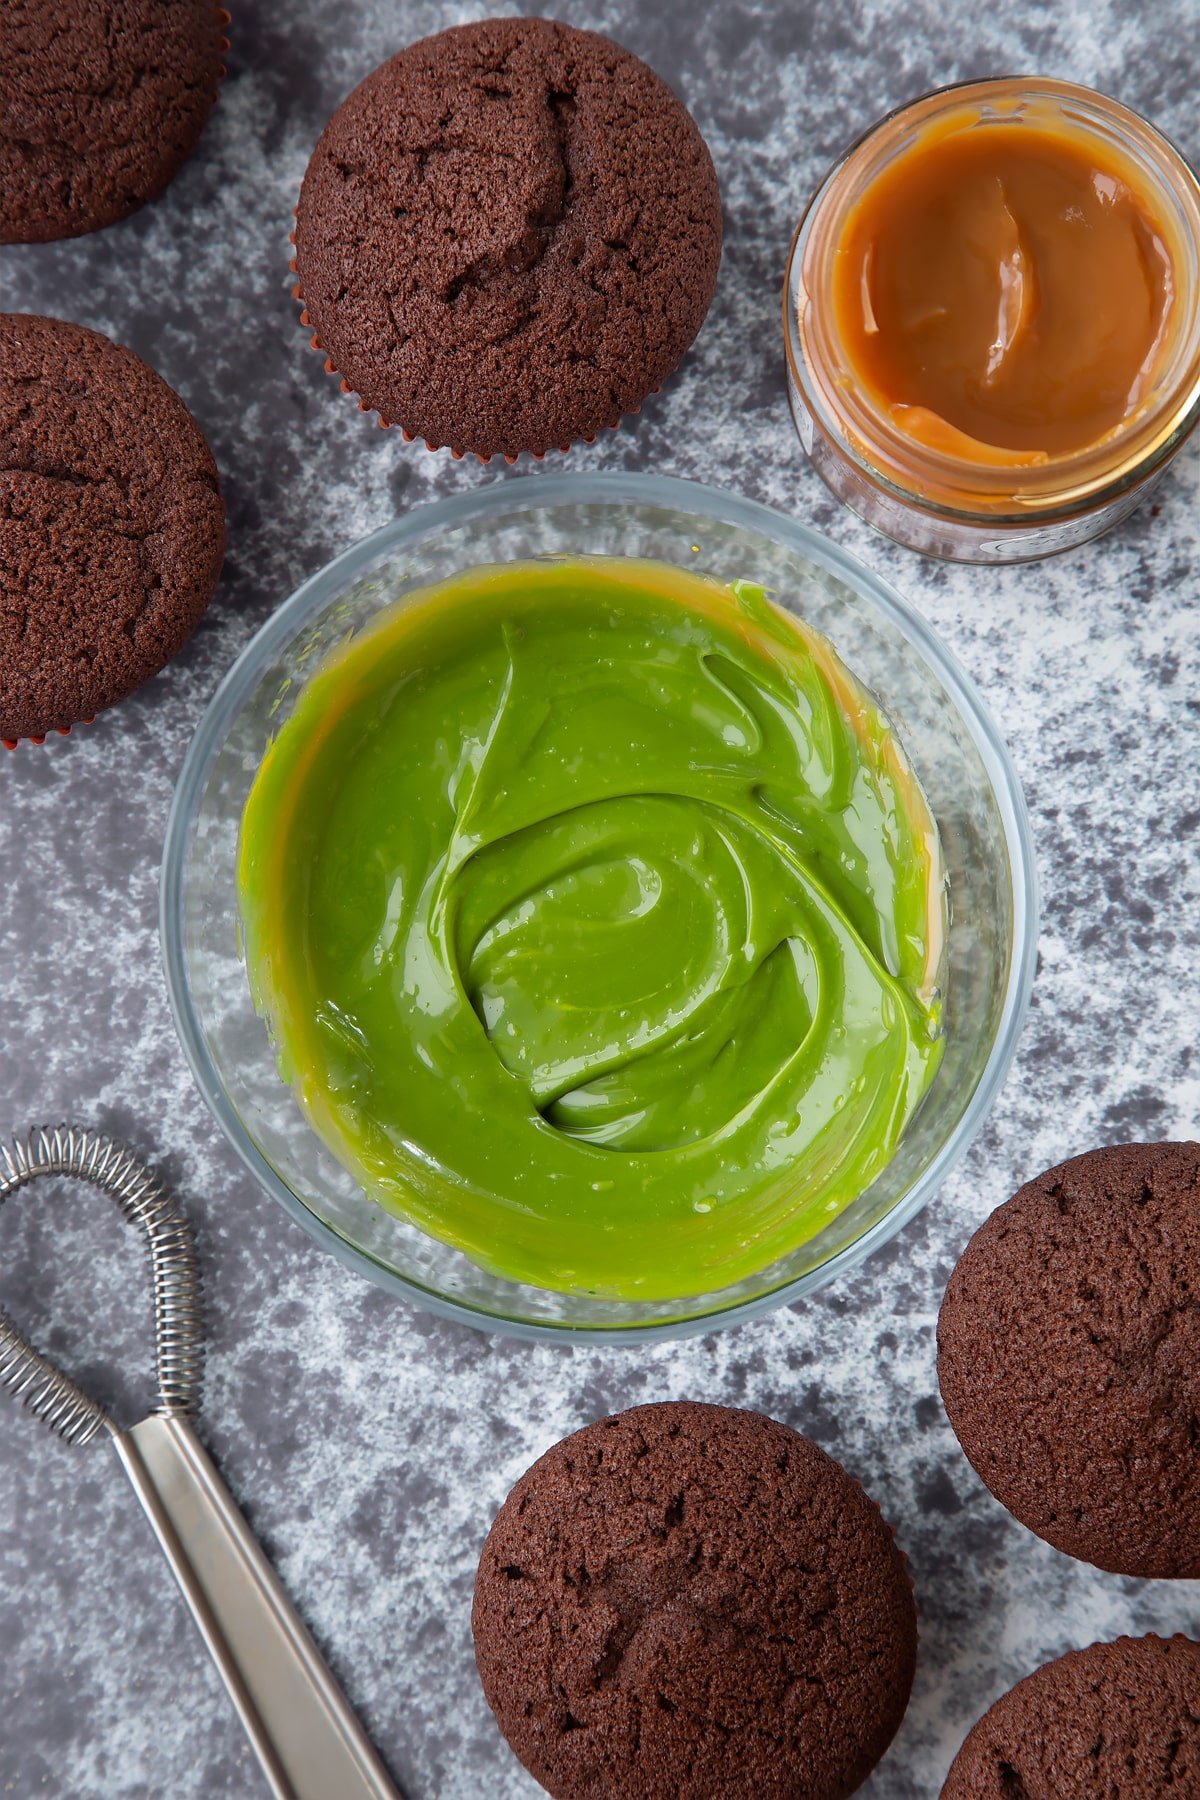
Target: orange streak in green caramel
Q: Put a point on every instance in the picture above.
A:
(597, 917)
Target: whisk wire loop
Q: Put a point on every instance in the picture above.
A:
(178, 1326)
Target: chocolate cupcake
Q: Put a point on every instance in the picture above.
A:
(507, 237)
(112, 528)
(100, 107)
(686, 1601)
(1120, 1719)
(1069, 1357)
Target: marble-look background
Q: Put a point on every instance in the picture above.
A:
(370, 1445)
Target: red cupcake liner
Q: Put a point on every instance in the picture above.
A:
(40, 737)
(224, 20)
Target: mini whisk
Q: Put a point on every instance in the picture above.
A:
(308, 1741)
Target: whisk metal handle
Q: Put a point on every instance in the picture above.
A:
(308, 1741)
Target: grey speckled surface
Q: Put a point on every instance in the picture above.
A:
(371, 1445)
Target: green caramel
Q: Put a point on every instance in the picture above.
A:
(598, 920)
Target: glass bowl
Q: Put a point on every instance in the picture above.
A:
(952, 741)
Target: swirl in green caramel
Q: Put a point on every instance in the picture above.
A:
(598, 918)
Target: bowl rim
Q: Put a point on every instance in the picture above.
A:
(522, 494)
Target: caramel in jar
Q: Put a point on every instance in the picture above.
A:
(1005, 291)
(992, 318)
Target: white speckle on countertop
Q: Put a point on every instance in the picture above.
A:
(369, 1444)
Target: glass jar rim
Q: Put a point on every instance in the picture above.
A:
(1066, 485)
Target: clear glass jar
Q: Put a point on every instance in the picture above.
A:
(944, 505)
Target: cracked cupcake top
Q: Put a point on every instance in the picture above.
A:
(112, 527)
(508, 236)
(1069, 1357)
(1116, 1720)
(100, 106)
(686, 1601)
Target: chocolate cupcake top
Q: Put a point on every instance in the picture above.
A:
(688, 1601)
(507, 236)
(112, 527)
(1069, 1357)
(100, 106)
(1120, 1721)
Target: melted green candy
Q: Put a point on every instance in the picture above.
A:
(597, 917)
